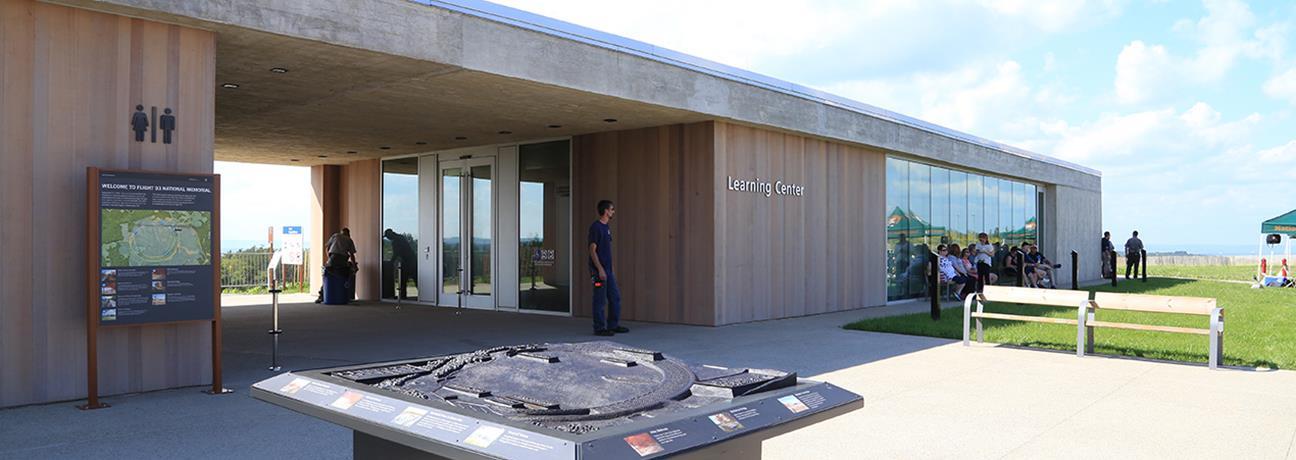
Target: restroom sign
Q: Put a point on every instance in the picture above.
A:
(544, 257)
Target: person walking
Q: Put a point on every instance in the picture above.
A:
(1108, 271)
(602, 276)
(1133, 249)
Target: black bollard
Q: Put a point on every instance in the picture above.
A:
(936, 285)
(1114, 270)
(1143, 263)
(1075, 271)
(1021, 269)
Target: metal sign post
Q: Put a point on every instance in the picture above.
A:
(274, 305)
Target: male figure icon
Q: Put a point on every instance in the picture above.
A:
(168, 124)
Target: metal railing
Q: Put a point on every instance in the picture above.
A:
(248, 269)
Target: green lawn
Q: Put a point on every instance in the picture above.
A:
(1260, 326)
(1208, 272)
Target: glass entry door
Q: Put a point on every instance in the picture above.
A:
(467, 233)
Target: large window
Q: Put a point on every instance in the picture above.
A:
(544, 240)
(400, 204)
(929, 205)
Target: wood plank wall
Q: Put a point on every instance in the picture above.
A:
(781, 257)
(325, 217)
(360, 191)
(69, 81)
(349, 196)
(663, 234)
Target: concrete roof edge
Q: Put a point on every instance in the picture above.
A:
(543, 24)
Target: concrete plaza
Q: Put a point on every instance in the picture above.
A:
(924, 397)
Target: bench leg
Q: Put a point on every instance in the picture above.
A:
(1089, 339)
(1216, 338)
(1081, 344)
(980, 332)
(967, 317)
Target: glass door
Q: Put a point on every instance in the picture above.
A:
(467, 233)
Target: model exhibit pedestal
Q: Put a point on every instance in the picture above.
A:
(557, 401)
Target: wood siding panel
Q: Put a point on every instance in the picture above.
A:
(788, 256)
(360, 191)
(69, 80)
(663, 240)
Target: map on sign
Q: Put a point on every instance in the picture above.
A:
(143, 237)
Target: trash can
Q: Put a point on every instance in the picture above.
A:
(335, 288)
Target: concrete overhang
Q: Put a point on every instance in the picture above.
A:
(364, 75)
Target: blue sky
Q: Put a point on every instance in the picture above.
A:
(1185, 106)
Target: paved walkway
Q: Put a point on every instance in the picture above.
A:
(924, 398)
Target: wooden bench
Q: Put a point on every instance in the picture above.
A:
(1078, 300)
(1158, 304)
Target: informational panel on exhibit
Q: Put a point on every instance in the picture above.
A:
(291, 236)
(155, 247)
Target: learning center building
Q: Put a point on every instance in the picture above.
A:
(483, 136)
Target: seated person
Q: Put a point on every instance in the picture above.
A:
(1038, 266)
(947, 271)
(1012, 263)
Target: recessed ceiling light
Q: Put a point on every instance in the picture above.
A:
(384, 148)
(610, 120)
(506, 132)
(352, 152)
(229, 85)
(323, 156)
(278, 70)
(460, 138)
(555, 126)
(421, 143)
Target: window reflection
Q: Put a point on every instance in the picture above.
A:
(400, 223)
(929, 205)
(544, 227)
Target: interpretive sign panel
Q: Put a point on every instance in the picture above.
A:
(155, 248)
(501, 402)
(292, 244)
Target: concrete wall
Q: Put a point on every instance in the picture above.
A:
(71, 79)
(1074, 220)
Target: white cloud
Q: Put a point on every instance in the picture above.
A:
(1282, 86)
(256, 196)
(879, 34)
(1056, 15)
(1153, 134)
(1142, 71)
(1228, 32)
(969, 99)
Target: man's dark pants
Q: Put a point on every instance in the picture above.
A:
(1131, 261)
(609, 295)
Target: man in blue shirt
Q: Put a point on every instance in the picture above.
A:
(605, 285)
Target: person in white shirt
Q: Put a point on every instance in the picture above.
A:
(983, 257)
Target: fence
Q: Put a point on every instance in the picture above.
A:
(1185, 260)
(248, 269)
